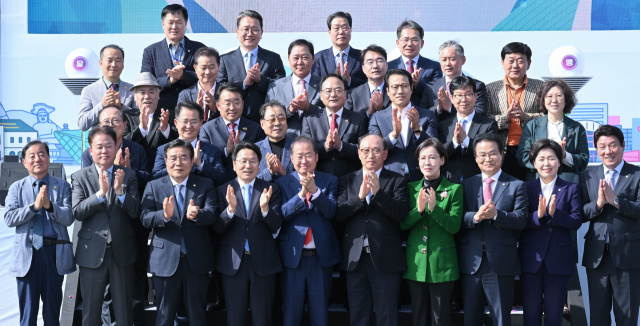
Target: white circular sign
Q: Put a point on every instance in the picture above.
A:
(567, 61)
(82, 63)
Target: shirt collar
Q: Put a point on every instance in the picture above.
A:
(469, 118)
(212, 90)
(295, 79)
(506, 82)
(242, 184)
(254, 52)
(184, 182)
(169, 44)
(555, 123)
(336, 51)
(108, 82)
(404, 110)
(617, 168)
(227, 122)
(45, 179)
(446, 79)
(415, 59)
(377, 172)
(339, 113)
(550, 184)
(99, 169)
(373, 88)
(495, 176)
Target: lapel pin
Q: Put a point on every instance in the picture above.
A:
(444, 194)
(188, 50)
(559, 189)
(194, 184)
(55, 187)
(345, 120)
(627, 176)
(314, 85)
(504, 184)
(423, 250)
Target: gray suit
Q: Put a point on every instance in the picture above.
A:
(359, 99)
(99, 263)
(191, 94)
(265, 148)
(282, 91)
(91, 102)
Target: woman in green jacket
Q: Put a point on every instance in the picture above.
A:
(435, 214)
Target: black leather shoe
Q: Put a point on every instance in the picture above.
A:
(456, 305)
(217, 305)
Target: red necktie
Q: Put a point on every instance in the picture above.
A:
(410, 66)
(334, 122)
(487, 193)
(307, 238)
(232, 130)
(206, 107)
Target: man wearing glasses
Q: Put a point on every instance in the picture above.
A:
(372, 96)
(276, 157)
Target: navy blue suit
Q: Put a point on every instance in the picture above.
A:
(430, 71)
(212, 166)
(313, 269)
(430, 98)
(265, 148)
(326, 64)
(546, 252)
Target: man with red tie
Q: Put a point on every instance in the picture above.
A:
(206, 63)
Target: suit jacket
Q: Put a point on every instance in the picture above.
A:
(97, 218)
(156, 59)
(359, 99)
(430, 70)
(623, 224)
(282, 91)
(91, 102)
(154, 138)
(430, 98)
(164, 254)
(191, 94)
(460, 163)
(439, 262)
(212, 166)
(255, 228)
(498, 106)
(18, 215)
(326, 64)
(577, 147)
(298, 218)
(500, 235)
(379, 220)
(265, 148)
(399, 154)
(351, 127)
(549, 239)
(216, 133)
(232, 70)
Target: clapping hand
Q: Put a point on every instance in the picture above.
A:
(176, 72)
(197, 157)
(365, 188)
(396, 122)
(459, 134)
(344, 72)
(375, 103)
(167, 207)
(164, 120)
(274, 165)
(231, 199)
(414, 118)
(192, 210)
(416, 77)
(444, 101)
(118, 182)
(42, 199)
(265, 197)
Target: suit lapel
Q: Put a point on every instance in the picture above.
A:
(557, 190)
(242, 128)
(384, 178)
(502, 96)
(187, 57)
(386, 101)
(28, 190)
(240, 210)
(255, 201)
(344, 122)
(351, 60)
(331, 61)
(163, 49)
(475, 125)
(223, 130)
(501, 185)
(623, 178)
(541, 129)
(529, 95)
(189, 193)
(261, 59)
(94, 178)
(286, 155)
(324, 121)
(289, 92)
(238, 62)
(480, 191)
(313, 87)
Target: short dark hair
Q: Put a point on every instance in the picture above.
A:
(33, 143)
(189, 105)
(175, 9)
(516, 47)
(206, 51)
(251, 14)
(385, 146)
(461, 82)
(102, 130)
(412, 25)
(229, 87)
(489, 137)
(570, 99)
(245, 145)
(271, 103)
(111, 46)
(373, 48)
(112, 106)
(608, 130)
(334, 75)
(397, 72)
(339, 14)
(179, 143)
(303, 139)
(435, 143)
(301, 42)
(544, 143)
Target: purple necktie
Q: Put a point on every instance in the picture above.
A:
(410, 66)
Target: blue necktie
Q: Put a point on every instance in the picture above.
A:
(464, 127)
(38, 223)
(247, 201)
(180, 202)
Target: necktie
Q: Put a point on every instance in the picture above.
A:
(205, 107)
(109, 199)
(300, 87)
(38, 227)
(341, 62)
(232, 130)
(377, 90)
(114, 87)
(611, 176)
(487, 193)
(247, 201)
(447, 90)
(334, 122)
(405, 128)
(369, 197)
(247, 61)
(464, 126)
(308, 237)
(180, 203)
(410, 66)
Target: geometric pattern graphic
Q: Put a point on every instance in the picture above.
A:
(72, 141)
(615, 15)
(540, 15)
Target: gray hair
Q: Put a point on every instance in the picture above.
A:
(453, 44)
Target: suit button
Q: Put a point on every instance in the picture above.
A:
(32, 227)
(247, 229)
(362, 237)
(366, 220)
(333, 158)
(550, 229)
(608, 217)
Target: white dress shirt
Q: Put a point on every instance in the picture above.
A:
(346, 54)
(372, 88)
(235, 128)
(404, 133)
(365, 243)
(554, 132)
(469, 119)
(613, 182)
(547, 189)
(495, 178)
(212, 91)
(102, 199)
(145, 132)
(297, 89)
(252, 60)
(242, 184)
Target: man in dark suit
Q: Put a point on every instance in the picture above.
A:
(207, 161)
(496, 207)
(301, 90)
(231, 127)
(340, 58)
(308, 244)
(248, 258)
(179, 208)
(410, 40)
(276, 158)
(437, 96)
(372, 202)
(402, 125)
(105, 199)
(206, 63)
(372, 96)
(171, 60)
(335, 130)
(251, 67)
(611, 198)
(457, 132)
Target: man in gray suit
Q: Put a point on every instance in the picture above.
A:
(105, 198)
(108, 90)
(611, 199)
(39, 207)
(276, 158)
(301, 90)
(206, 63)
(372, 96)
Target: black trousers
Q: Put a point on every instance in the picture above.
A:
(430, 299)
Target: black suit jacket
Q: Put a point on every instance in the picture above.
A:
(326, 64)
(351, 127)
(379, 220)
(156, 59)
(430, 70)
(430, 98)
(154, 138)
(359, 99)
(191, 94)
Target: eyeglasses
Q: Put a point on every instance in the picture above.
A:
(328, 91)
(459, 97)
(367, 151)
(379, 61)
(252, 30)
(245, 162)
(274, 119)
(396, 88)
(229, 104)
(430, 158)
(175, 159)
(112, 122)
(193, 122)
(492, 156)
(414, 40)
(551, 97)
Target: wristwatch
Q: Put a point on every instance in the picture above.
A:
(616, 201)
(417, 132)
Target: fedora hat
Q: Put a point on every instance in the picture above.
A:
(145, 79)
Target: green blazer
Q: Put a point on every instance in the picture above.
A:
(431, 250)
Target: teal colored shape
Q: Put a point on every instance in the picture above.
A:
(71, 140)
(142, 16)
(74, 17)
(615, 15)
(540, 15)
(201, 21)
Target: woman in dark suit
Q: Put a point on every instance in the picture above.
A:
(546, 252)
(556, 99)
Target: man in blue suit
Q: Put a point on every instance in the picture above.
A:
(301, 90)
(171, 60)
(251, 67)
(340, 58)
(402, 125)
(308, 243)
(207, 161)
(372, 96)
(206, 63)
(410, 40)
(495, 210)
(39, 207)
(276, 158)
(180, 207)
